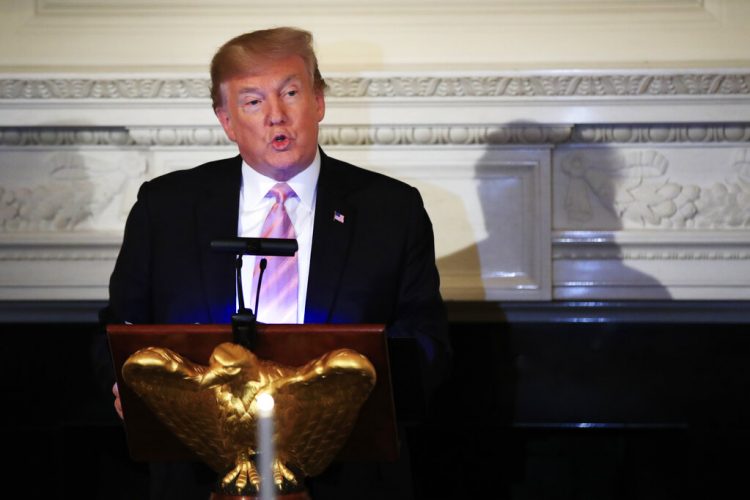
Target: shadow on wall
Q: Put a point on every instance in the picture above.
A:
(56, 184)
(598, 193)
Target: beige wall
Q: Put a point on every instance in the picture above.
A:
(565, 149)
(401, 35)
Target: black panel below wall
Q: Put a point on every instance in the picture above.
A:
(532, 410)
(590, 410)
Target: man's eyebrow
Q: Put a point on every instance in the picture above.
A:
(288, 79)
(256, 90)
(248, 90)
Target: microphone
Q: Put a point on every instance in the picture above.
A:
(276, 247)
(262, 265)
(238, 275)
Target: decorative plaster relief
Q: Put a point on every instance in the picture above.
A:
(600, 85)
(104, 88)
(367, 135)
(329, 136)
(710, 245)
(615, 189)
(64, 136)
(438, 136)
(661, 133)
(508, 86)
(70, 190)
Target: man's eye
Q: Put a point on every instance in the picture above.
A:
(252, 102)
(292, 93)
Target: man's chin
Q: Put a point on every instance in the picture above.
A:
(282, 171)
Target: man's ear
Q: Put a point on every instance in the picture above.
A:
(226, 122)
(320, 101)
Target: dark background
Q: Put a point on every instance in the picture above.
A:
(549, 401)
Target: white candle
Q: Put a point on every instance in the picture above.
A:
(265, 446)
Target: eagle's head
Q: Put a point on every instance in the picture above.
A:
(227, 363)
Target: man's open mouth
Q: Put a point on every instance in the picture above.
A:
(280, 141)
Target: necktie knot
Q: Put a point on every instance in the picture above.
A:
(281, 192)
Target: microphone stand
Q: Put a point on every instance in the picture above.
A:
(244, 323)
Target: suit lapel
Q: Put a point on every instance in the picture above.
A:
(334, 223)
(216, 215)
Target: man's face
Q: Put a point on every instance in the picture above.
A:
(273, 117)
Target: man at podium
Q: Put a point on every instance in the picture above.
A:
(366, 252)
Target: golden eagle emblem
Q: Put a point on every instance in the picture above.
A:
(213, 409)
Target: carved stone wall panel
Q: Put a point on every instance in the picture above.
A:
(490, 213)
(652, 220)
(67, 189)
(62, 210)
(623, 187)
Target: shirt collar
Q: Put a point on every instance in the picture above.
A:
(255, 185)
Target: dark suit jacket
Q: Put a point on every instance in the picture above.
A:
(378, 266)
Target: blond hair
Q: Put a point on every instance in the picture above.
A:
(240, 55)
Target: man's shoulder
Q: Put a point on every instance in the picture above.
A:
(353, 178)
(200, 177)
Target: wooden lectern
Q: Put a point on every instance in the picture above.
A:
(374, 436)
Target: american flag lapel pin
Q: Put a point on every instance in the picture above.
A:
(338, 216)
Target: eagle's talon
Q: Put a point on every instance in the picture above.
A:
(282, 472)
(242, 474)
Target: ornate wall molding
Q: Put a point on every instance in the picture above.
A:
(65, 136)
(104, 88)
(671, 247)
(329, 136)
(570, 84)
(367, 135)
(35, 254)
(663, 133)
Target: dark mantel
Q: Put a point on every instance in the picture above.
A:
(631, 311)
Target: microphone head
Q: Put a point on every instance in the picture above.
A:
(280, 247)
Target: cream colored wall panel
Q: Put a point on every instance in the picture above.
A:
(657, 265)
(34, 266)
(451, 35)
(490, 212)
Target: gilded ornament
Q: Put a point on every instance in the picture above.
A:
(214, 409)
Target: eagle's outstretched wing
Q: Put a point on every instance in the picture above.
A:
(316, 404)
(317, 407)
(169, 384)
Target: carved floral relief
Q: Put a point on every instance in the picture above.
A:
(67, 190)
(640, 189)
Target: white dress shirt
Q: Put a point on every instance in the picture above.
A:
(254, 207)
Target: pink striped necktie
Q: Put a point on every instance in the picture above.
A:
(278, 294)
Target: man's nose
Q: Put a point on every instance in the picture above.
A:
(276, 112)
